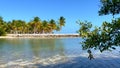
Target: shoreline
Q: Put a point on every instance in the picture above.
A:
(40, 36)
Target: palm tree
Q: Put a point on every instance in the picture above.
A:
(21, 26)
(27, 28)
(35, 24)
(45, 26)
(52, 25)
(61, 21)
(57, 28)
(8, 28)
(13, 26)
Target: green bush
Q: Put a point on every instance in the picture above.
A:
(2, 32)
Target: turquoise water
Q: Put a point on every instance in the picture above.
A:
(29, 52)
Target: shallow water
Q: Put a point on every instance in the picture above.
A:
(50, 53)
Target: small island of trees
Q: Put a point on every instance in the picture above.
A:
(34, 26)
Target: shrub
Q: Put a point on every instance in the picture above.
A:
(2, 32)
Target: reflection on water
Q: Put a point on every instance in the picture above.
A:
(27, 49)
(47, 52)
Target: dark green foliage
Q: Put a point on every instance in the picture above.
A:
(109, 7)
(62, 21)
(103, 38)
(85, 28)
(2, 27)
(2, 32)
(106, 37)
(36, 19)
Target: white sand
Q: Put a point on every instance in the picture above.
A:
(39, 35)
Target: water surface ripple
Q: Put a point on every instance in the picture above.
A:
(53, 53)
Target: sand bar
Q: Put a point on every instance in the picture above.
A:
(39, 35)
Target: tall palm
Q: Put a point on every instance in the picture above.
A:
(9, 27)
(62, 21)
(45, 26)
(35, 24)
(52, 25)
(30, 27)
(57, 28)
(21, 26)
(14, 27)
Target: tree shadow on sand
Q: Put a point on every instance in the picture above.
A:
(83, 62)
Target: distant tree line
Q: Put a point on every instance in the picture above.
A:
(34, 26)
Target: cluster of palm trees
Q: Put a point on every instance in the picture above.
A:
(34, 26)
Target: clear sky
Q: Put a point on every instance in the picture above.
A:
(72, 10)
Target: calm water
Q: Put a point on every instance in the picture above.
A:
(52, 53)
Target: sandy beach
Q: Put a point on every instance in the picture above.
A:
(39, 35)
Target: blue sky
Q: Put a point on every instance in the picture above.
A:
(72, 10)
